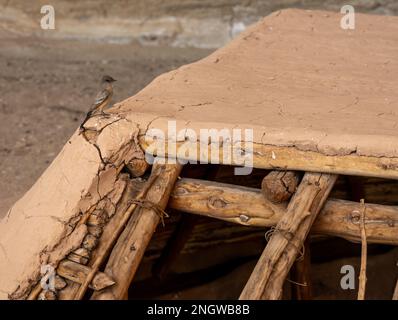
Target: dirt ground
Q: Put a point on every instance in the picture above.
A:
(46, 87)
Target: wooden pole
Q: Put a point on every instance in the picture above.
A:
(130, 247)
(395, 295)
(108, 232)
(278, 187)
(108, 243)
(77, 273)
(364, 249)
(301, 275)
(247, 206)
(268, 276)
(292, 158)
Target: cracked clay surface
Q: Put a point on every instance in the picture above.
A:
(297, 79)
(60, 198)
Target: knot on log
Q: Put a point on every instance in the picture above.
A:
(244, 218)
(216, 202)
(179, 191)
(355, 217)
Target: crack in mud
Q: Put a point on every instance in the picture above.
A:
(44, 216)
(99, 154)
(149, 124)
(110, 123)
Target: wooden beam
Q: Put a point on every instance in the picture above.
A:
(279, 186)
(247, 206)
(77, 273)
(108, 233)
(364, 254)
(226, 202)
(291, 158)
(108, 242)
(268, 276)
(130, 247)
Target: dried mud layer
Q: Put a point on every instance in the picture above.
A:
(46, 87)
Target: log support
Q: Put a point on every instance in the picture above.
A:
(338, 218)
(284, 247)
(395, 294)
(107, 233)
(300, 275)
(126, 236)
(130, 247)
(279, 186)
(77, 273)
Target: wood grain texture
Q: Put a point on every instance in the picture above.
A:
(364, 254)
(108, 234)
(279, 186)
(108, 242)
(130, 247)
(276, 157)
(287, 240)
(395, 295)
(247, 206)
(77, 273)
(300, 275)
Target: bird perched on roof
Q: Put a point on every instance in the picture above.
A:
(102, 99)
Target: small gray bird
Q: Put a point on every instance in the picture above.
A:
(102, 99)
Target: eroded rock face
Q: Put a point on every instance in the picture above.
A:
(202, 24)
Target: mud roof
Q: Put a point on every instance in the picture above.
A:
(297, 79)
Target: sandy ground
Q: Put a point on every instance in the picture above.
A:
(47, 85)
